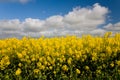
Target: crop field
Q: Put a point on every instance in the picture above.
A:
(61, 58)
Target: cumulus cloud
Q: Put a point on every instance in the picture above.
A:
(76, 22)
(54, 22)
(113, 27)
(32, 25)
(86, 18)
(8, 34)
(98, 32)
(10, 25)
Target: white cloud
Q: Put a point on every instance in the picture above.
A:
(33, 25)
(77, 22)
(86, 18)
(54, 22)
(98, 32)
(10, 25)
(113, 27)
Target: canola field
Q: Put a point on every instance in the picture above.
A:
(61, 58)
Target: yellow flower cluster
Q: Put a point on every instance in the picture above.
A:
(18, 72)
(69, 56)
(4, 62)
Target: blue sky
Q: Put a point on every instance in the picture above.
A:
(45, 8)
(27, 13)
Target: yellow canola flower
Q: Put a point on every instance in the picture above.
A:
(19, 55)
(118, 63)
(20, 64)
(69, 61)
(112, 64)
(60, 53)
(18, 72)
(33, 59)
(39, 64)
(49, 58)
(50, 67)
(36, 71)
(54, 72)
(108, 50)
(6, 58)
(87, 67)
(8, 62)
(65, 68)
(78, 71)
(42, 67)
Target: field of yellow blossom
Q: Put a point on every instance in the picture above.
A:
(61, 58)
